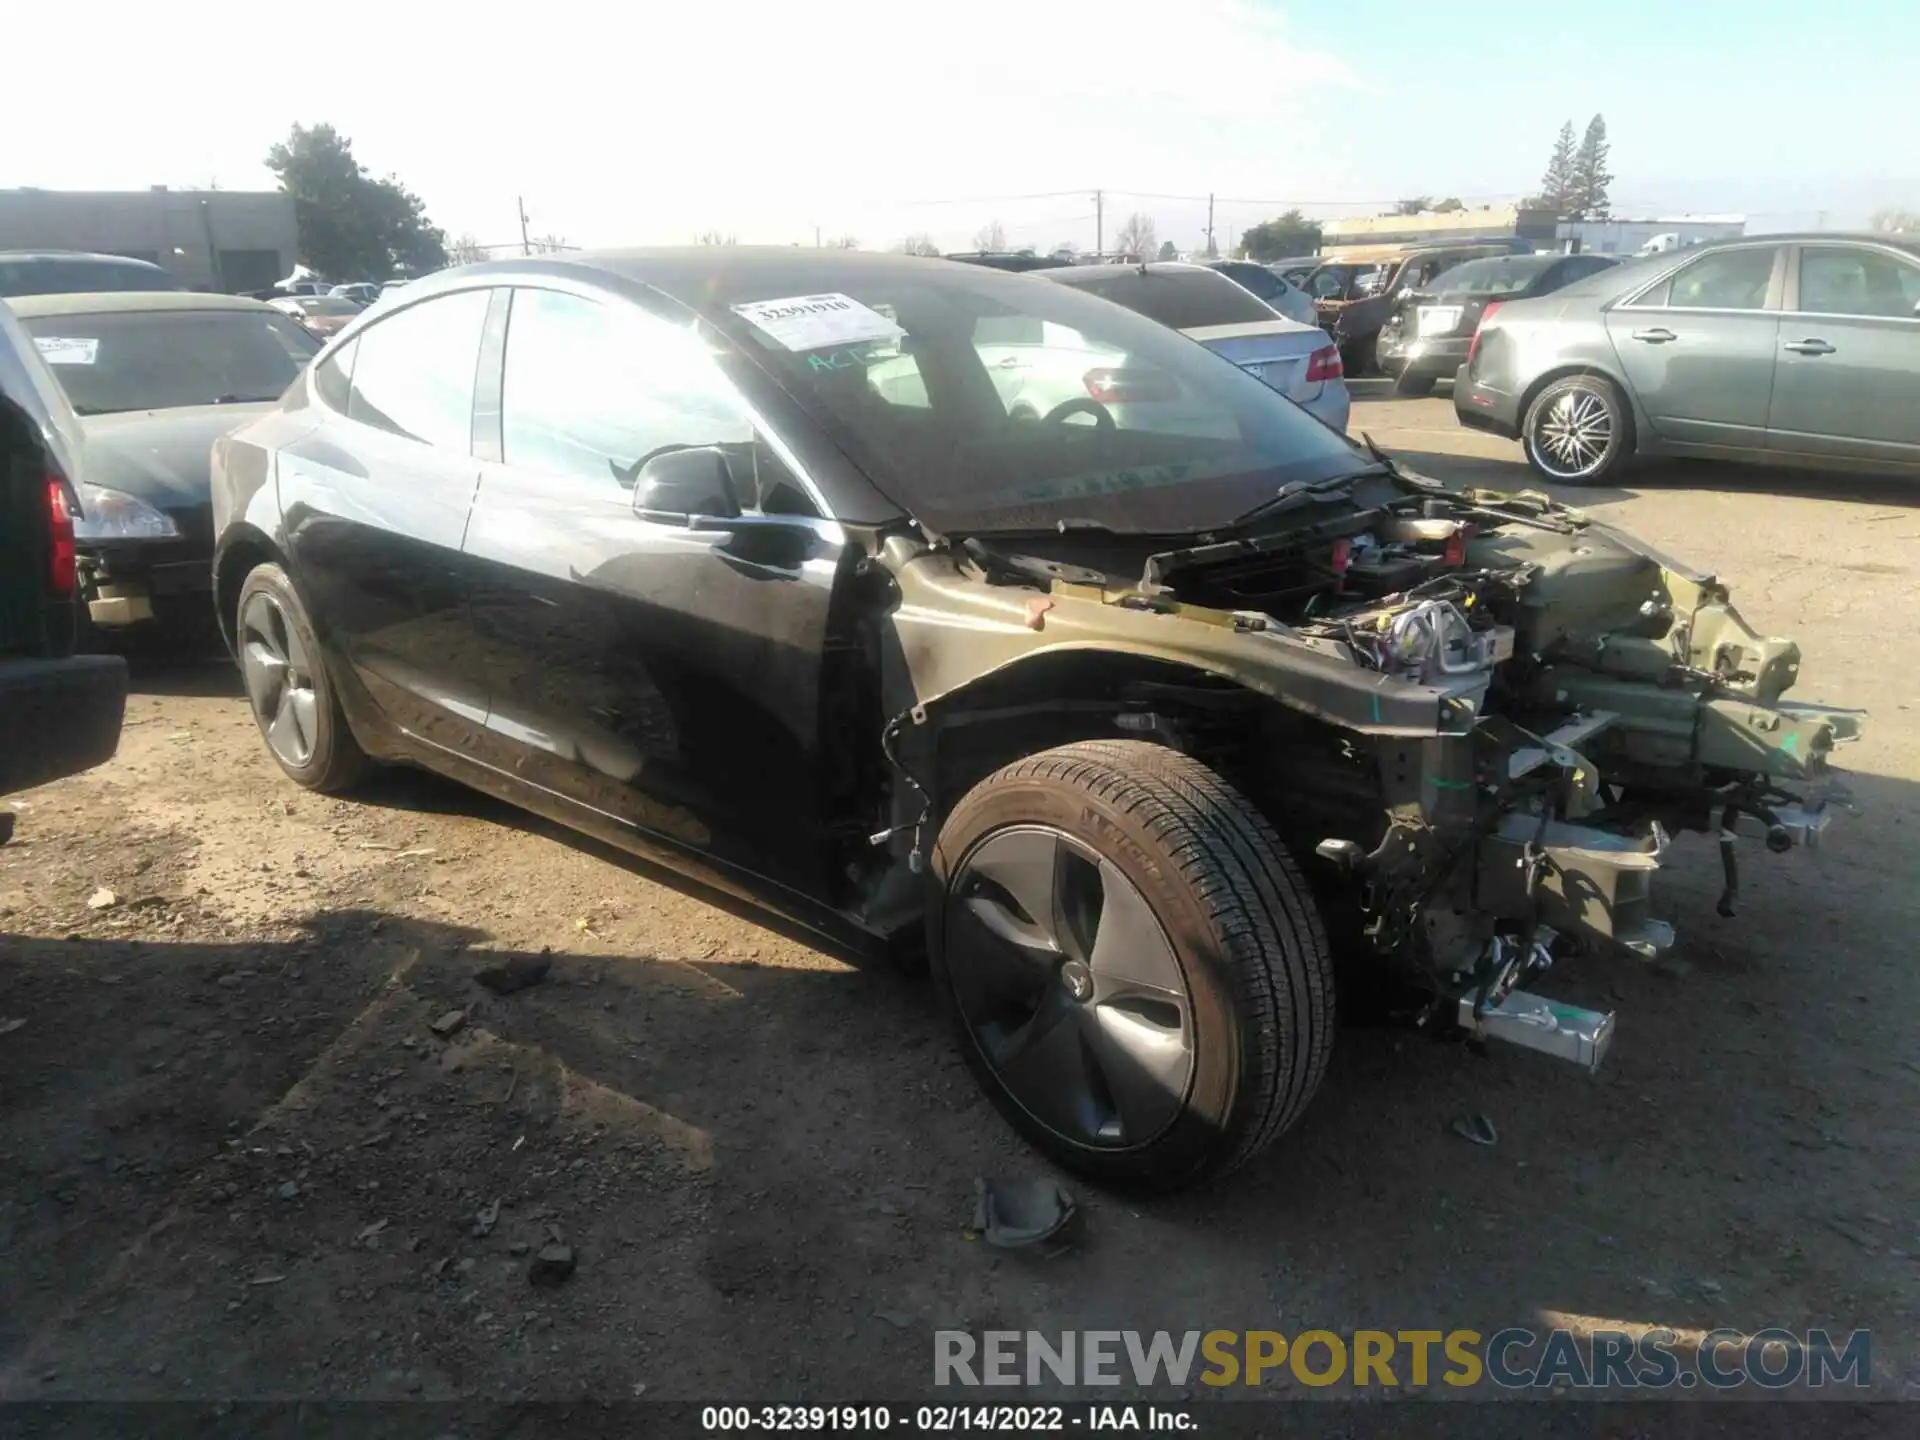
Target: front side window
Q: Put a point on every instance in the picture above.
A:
(165, 359)
(1838, 280)
(1728, 280)
(413, 374)
(594, 390)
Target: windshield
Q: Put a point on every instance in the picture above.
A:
(60, 275)
(1184, 299)
(160, 359)
(1345, 282)
(1499, 275)
(983, 401)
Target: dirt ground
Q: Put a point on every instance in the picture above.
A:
(237, 1160)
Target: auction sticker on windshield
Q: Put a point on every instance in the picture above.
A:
(58, 350)
(815, 322)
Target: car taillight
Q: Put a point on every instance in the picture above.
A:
(1126, 387)
(1325, 364)
(1473, 346)
(62, 573)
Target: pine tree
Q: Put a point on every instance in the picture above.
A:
(1556, 186)
(1588, 198)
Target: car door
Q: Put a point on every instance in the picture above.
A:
(1698, 346)
(375, 501)
(661, 672)
(1848, 378)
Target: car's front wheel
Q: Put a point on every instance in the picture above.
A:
(1578, 431)
(288, 687)
(1138, 976)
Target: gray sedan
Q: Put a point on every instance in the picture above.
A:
(1782, 349)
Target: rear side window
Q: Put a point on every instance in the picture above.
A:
(1183, 299)
(413, 373)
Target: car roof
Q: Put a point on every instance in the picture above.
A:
(1909, 243)
(690, 273)
(85, 257)
(104, 302)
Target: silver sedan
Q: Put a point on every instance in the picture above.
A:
(1778, 349)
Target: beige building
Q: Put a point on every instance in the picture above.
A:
(1496, 222)
(231, 240)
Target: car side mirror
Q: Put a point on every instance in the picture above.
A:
(679, 484)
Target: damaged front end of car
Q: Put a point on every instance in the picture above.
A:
(1476, 718)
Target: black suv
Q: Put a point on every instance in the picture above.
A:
(59, 712)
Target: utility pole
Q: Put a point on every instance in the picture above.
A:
(1819, 219)
(1099, 225)
(526, 247)
(1211, 252)
(816, 237)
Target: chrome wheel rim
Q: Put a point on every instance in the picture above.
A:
(1069, 988)
(279, 680)
(1572, 434)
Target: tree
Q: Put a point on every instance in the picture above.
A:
(920, 244)
(1452, 205)
(1280, 239)
(1167, 252)
(466, 250)
(716, 237)
(1556, 186)
(1419, 205)
(845, 242)
(1587, 194)
(1136, 237)
(352, 226)
(1897, 222)
(990, 236)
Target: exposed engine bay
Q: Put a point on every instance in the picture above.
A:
(1489, 714)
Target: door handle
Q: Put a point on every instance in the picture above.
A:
(1655, 337)
(1809, 346)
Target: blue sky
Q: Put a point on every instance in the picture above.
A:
(878, 118)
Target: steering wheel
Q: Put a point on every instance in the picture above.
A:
(1080, 405)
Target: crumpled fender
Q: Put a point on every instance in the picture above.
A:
(954, 630)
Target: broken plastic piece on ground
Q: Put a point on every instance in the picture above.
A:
(1022, 1215)
(1477, 1128)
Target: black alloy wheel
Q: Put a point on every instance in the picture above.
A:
(1137, 975)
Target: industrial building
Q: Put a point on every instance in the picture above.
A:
(227, 240)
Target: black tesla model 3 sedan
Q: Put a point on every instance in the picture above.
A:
(910, 598)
